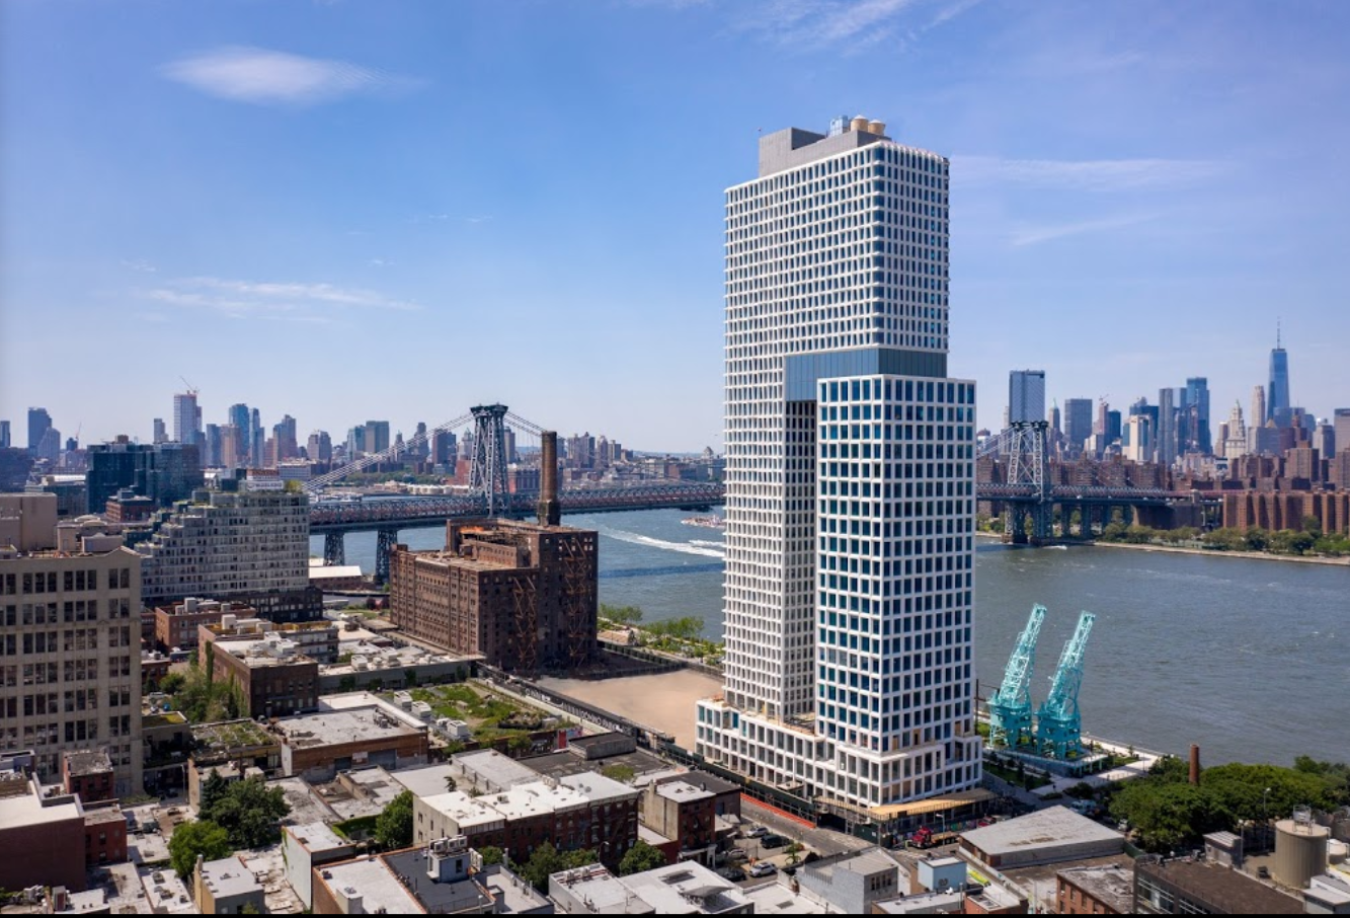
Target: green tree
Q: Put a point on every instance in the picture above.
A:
(394, 828)
(249, 811)
(191, 839)
(1312, 526)
(172, 683)
(451, 785)
(490, 854)
(623, 615)
(1256, 539)
(547, 860)
(1166, 815)
(794, 853)
(641, 857)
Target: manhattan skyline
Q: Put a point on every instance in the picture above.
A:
(385, 206)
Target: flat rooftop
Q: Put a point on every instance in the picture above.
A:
(379, 889)
(1112, 885)
(426, 780)
(537, 799)
(316, 836)
(26, 810)
(596, 788)
(604, 891)
(335, 728)
(680, 792)
(88, 763)
(514, 896)
(1054, 827)
(494, 769)
(307, 807)
(229, 877)
(437, 898)
(686, 888)
(561, 764)
(466, 812)
(1226, 890)
(774, 898)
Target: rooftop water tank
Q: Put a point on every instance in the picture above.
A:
(1300, 849)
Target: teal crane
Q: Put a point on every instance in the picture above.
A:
(1010, 705)
(1059, 731)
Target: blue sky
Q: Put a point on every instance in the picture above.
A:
(348, 210)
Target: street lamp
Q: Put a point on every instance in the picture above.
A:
(1265, 818)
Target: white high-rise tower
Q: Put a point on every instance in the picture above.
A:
(850, 498)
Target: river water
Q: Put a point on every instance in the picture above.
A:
(1249, 658)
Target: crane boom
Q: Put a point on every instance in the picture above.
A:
(1010, 705)
(1059, 726)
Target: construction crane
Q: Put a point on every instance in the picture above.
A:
(191, 389)
(1010, 705)
(1059, 733)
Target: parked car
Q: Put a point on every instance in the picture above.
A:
(734, 874)
(763, 869)
(754, 832)
(773, 841)
(736, 854)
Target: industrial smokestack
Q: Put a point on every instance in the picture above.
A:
(550, 511)
(1195, 764)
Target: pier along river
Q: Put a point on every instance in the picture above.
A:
(1249, 658)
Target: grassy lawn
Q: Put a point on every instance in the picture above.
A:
(488, 714)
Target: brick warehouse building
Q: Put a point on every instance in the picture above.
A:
(1275, 510)
(521, 595)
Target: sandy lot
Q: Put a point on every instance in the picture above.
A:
(664, 702)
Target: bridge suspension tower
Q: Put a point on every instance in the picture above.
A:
(1029, 464)
(1059, 731)
(488, 473)
(1010, 705)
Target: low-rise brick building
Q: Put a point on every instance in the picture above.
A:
(176, 625)
(88, 774)
(350, 731)
(274, 678)
(521, 595)
(42, 838)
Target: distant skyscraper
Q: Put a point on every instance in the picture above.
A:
(1167, 426)
(1258, 415)
(187, 418)
(1139, 432)
(49, 447)
(285, 436)
(1324, 440)
(320, 447)
(160, 434)
(4, 434)
(827, 687)
(377, 436)
(444, 449)
(212, 451)
(1233, 441)
(1026, 396)
(356, 441)
(1053, 420)
(1341, 424)
(1195, 417)
(242, 420)
(1077, 422)
(1277, 396)
(257, 439)
(39, 422)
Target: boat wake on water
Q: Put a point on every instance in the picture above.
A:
(687, 548)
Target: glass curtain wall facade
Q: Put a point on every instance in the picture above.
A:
(850, 479)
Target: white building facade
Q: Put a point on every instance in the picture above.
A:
(850, 498)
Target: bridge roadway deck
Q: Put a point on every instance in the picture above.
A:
(425, 512)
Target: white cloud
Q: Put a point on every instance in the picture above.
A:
(1035, 235)
(295, 302)
(258, 75)
(1084, 175)
(857, 23)
(139, 264)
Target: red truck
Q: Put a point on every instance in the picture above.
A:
(927, 838)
